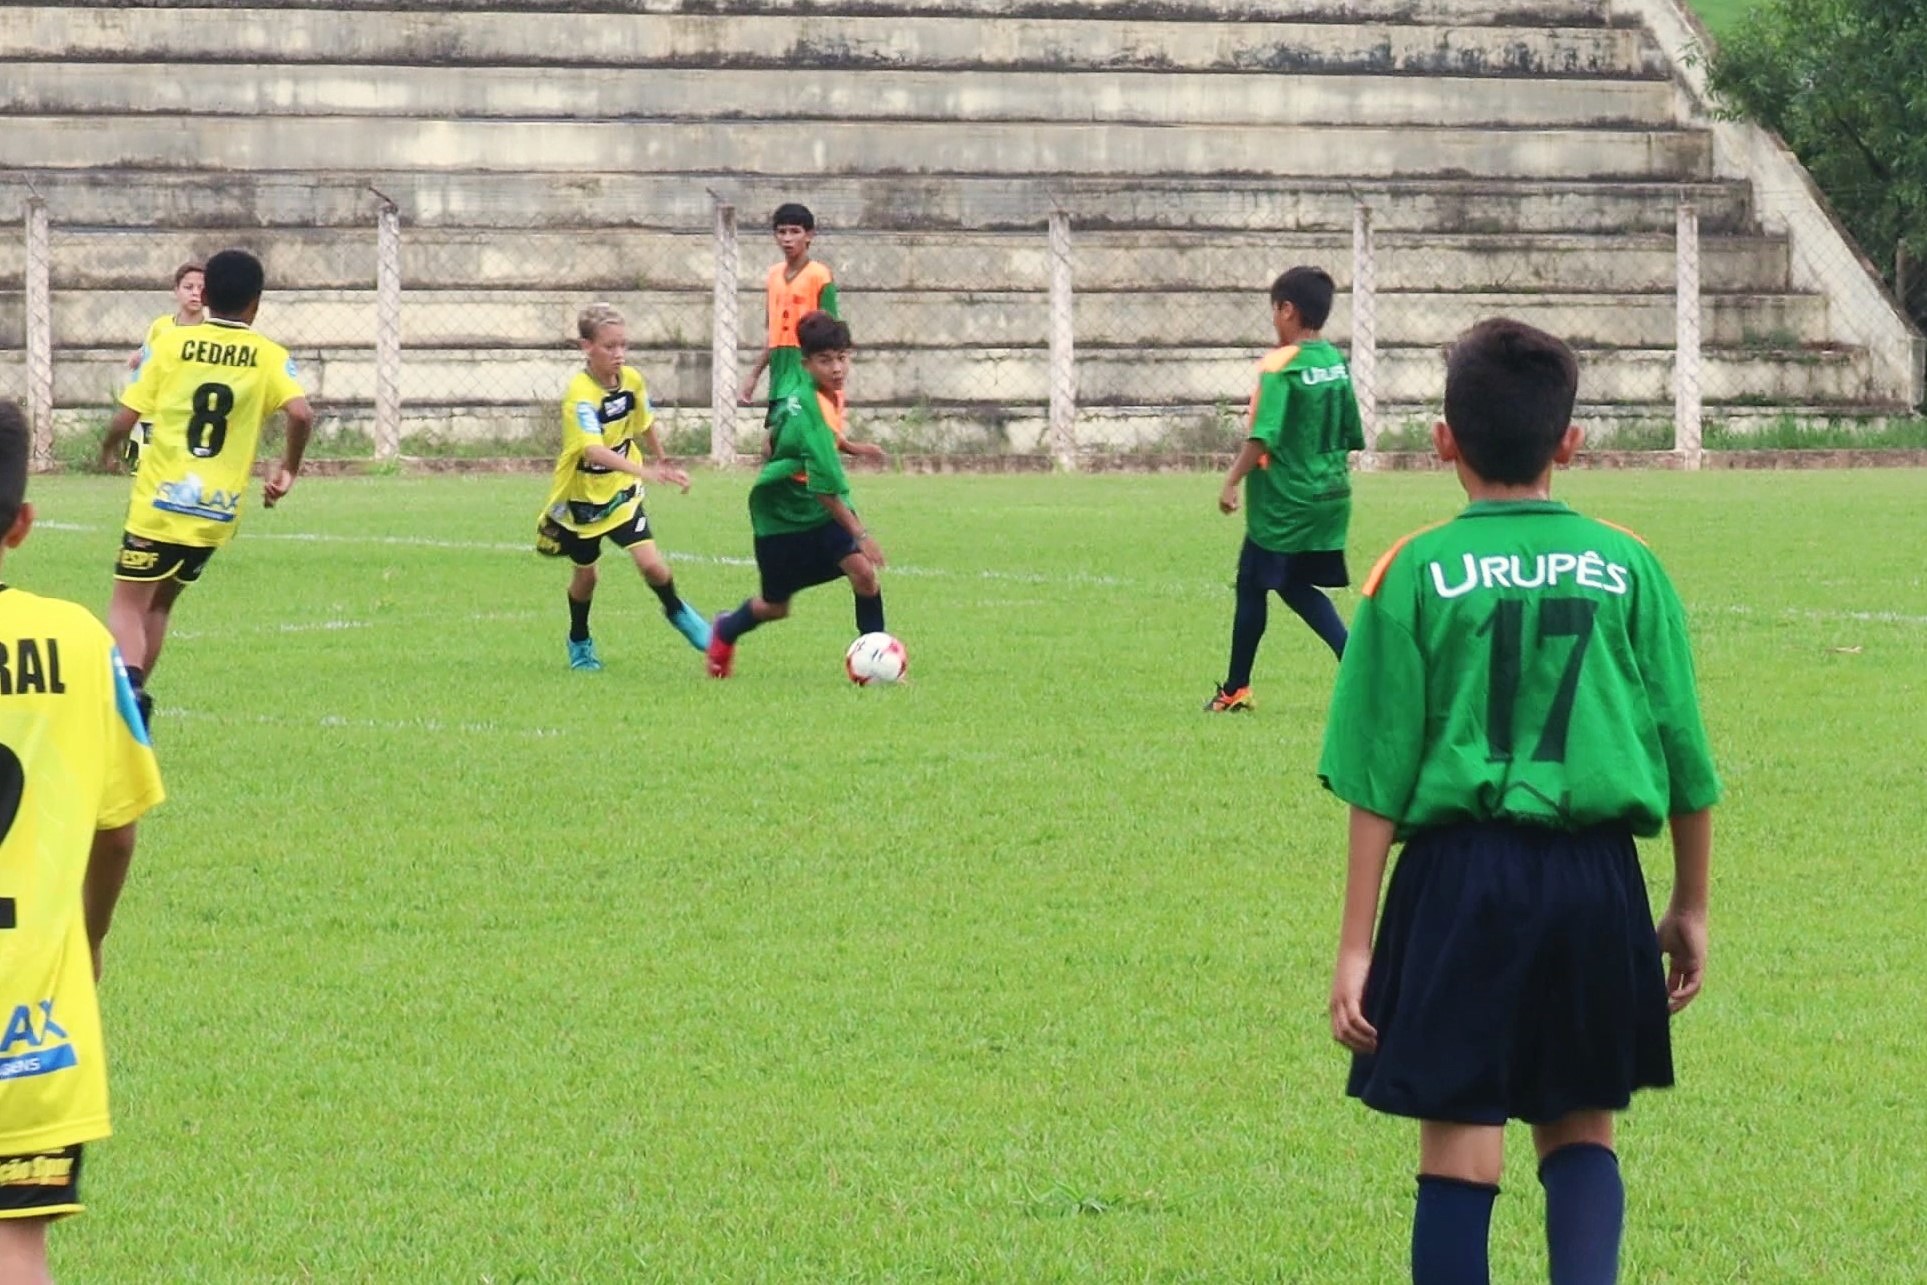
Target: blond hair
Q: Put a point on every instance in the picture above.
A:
(595, 317)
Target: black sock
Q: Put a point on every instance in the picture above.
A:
(579, 618)
(667, 596)
(1247, 631)
(737, 623)
(1316, 610)
(1585, 1213)
(1449, 1232)
(136, 675)
(869, 613)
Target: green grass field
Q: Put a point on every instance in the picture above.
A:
(446, 964)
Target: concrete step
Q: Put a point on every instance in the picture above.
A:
(1455, 41)
(1160, 98)
(201, 199)
(333, 319)
(346, 143)
(532, 379)
(600, 261)
(1576, 12)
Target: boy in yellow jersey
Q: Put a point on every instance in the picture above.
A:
(75, 774)
(794, 288)
(188, 311)
(597, 491)
(207, 388)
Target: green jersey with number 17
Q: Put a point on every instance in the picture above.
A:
(1524, 664)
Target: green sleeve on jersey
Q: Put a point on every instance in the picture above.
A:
(1666, 667)
(1354, 426)
(1375, 734)
(1268, 418)
(827, 300)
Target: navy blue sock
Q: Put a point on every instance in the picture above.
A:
(667, 596)
(1247, 631)
(1585, 1213)
(737, 623)
(869, 613)
(1449, 1231)
(579, 618)
(1316, 610)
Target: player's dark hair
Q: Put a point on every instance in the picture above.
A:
(16, 446)
(820, 332)
(234, 281)
(1509, 392)
(189, 268)
(1309, 290)
(791, 215)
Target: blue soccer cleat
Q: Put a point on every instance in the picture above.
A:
(582, 655)
(691, 626)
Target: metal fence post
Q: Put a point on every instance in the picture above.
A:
(1365, 324)
(40, 334)
(1063, 336)
(388, 332)
(1687, 371)
(723, 340)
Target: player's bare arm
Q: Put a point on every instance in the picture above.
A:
(1369, 844)
(747, 394)
(281, 478)
(1682, 929)
(113, 852)
(1249, 457)
(122, 423)
(846, 518)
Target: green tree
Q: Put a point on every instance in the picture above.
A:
(1845, 83)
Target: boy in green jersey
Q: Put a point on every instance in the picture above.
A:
(799, 506)
(1516, 704)
(1295, 467)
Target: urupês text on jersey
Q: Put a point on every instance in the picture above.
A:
(1589, 570)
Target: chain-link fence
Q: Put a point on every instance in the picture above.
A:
(1056, 332)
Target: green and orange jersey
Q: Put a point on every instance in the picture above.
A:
(789, 299)
(802, 464)
(1519, 664)
(1299, 498)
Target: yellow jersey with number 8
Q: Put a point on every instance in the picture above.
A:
(74, 759)
(206, 389)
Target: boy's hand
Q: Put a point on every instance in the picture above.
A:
(279, 482)
(1349, 1026)
(1682, 936)
(670, 475)
(1228, 498)
(746, 395)
(867, 450)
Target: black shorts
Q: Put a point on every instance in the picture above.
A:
(796, 560)
(142, 559)
(1516, 976)
(40, 1184)
(554, 540)
(1260, 568)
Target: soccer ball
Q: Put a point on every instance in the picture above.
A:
(875, 658)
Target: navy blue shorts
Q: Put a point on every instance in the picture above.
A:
(1516, 976)
(1260, 568)
(796, 560)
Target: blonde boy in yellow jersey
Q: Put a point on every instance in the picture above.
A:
(188, 311)
(75, 774)
(207, 388)
(597, 491)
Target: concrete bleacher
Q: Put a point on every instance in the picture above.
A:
(1528, 162)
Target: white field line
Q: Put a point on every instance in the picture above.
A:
(1076, 579)
(329, 722)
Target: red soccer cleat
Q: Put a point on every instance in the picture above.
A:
(720, 655)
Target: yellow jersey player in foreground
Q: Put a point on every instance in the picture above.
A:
(75, 774)
(207, 388)
(597, 491)
(189, 279)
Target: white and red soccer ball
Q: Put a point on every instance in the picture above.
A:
(875, 658)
